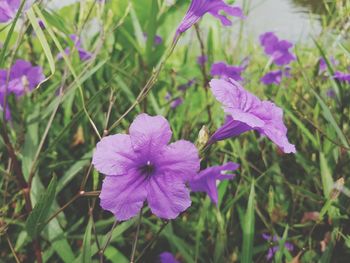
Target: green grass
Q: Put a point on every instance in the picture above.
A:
(53, 137)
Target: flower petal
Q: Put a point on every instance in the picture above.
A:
(149, 133)
(123, 195)
(231, 128)
(180, 159)
(205, 181)
(168, 196)
(114, 155)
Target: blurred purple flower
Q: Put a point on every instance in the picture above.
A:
(176, 103)
(205, 181)
(277, 49)
(247, 112)
(167, 257)
(331, 93)
(8, 10)
(157, 39)
(201, 60)
(341, 76)
(272, 250)
(225, 71)
(41, 24)
(141, 166)
(199, 8)
(83, 54)
(323, 64)
(272, 77)
(184, 87)
(23, 77)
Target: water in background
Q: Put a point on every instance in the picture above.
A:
(295, 20)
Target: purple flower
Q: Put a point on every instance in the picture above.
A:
(8, 10)
(83, 54)
(199, 8)
(341, 76)
(201, 60)
(141, 166)
(272, 77)
(205, 181)
(23, 77)
(176, 103)
(225, 71)
(247, 112)
(167, 257)
(277, 49)
(331, 93)
(272, 250)
(157, 39)
(184, 87)
(323, 65)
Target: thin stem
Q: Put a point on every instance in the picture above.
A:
(12, 249)
(155, 238)
(148, 86)
(64, 207)
(203, 69)
(47, 129)
(136, 238)
(102, 251)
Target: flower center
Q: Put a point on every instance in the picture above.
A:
(147, 169)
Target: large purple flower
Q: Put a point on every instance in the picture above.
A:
(341, 76)
(272, 77)
(199, 8)
(205, 181)
(8, 10)
(277, 49)
(247, 112)
(222, 70)
(272, 250)
(167, 257)
(22, 78)
(141, 166)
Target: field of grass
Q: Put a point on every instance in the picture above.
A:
(49, 189)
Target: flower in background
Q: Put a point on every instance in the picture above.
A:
(83, 54)
(206, 180)
(272, 77)
(272, 250)
(202, 59)
(142, 166)
(22, 78)
(277, 49)
(184, 87)
(341, 76)
(225, 71)
(323, 65)
(8, 10)
(167, 257)
(174, 103)
(157, 39)
(247, 112)
(199, 8)
(331, 93)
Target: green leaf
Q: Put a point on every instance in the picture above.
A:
(37, 218)
(42, 39)
(87, 243)
(248, 228)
